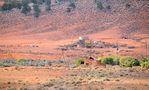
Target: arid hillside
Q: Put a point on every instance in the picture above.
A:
(123, 19)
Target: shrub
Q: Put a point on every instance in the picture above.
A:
(79, 61)
(72, 5)
(108, 7)
(48, 5)
(99, 5)
(112, 60)
(21, 61)
(7, 62)
(107, 60)
(116, 60)
(128, 5)
(88, 45)
(36, 10)
(25, 7)
(144, 63)
(128, 62)
(68, 9)
(10, 4)
(34, 1)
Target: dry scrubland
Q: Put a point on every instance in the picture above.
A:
(80, 78)
(124, 25)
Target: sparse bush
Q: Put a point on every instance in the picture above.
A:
(21, 61)
(34, 1)
(38, 1)
(144, 63)
(48, 5)
(68, 9)
(10, 4)
(88, 45)
(79, 61)
(99, 5)
(7, 62)
(108, 7)
(25, 7)
(72, 5)
(128, 5)
(58, 1)
(36, 10)
(128, 62)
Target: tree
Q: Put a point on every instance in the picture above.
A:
(25, 7)
(48, 5)
(36, 10)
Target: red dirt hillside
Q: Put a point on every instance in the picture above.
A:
(38, 38)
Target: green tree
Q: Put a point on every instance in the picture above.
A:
(36, 10)
(25, 7)
(48, 5)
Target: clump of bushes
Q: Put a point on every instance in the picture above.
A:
(144, 63)
(112, 60)
(128, 62)
(7, 62)
(79, 61)
(106, 60)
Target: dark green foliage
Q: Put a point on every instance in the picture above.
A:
(25, 7)
(10, 4)
(128, 62)
(7, 6)
(48, 5)
(79, 61)
(112, 60)
(38, 1)
(36, 10)
(34, 1)
(107, 60)
(72, 5)
(99, 5)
